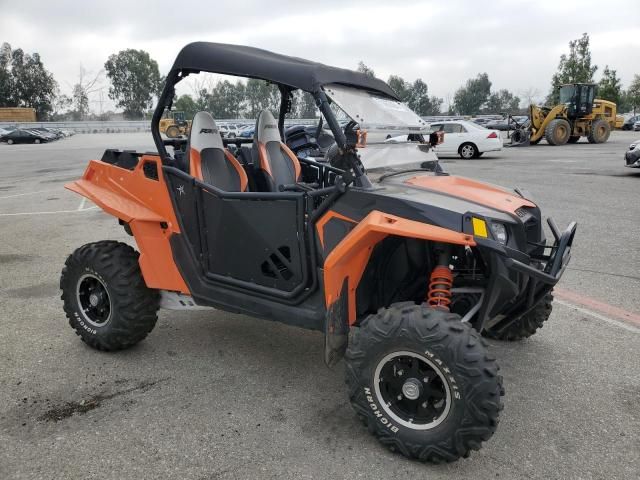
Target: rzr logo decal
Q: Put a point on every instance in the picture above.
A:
(208, 130)
(180, 190)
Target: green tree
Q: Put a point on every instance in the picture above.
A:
(260, 95)
(6, 79)
(633, 94)
(502, 101)
(362, 68)
(419, 101)
(304, 105)
(226, 99)
(186, 103)
(573, 68)
(135, 79)
(79, 102)
(400, 86)
(610, 86)
(28, 82)
(470, 99)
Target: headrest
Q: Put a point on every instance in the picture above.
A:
(204, 133)
(266, 128)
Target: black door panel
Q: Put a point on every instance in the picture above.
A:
(252, 241)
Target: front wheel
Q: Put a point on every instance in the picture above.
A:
(105, 297)
(468, 151)
(423, 382)
(10, 142)
(525, 325)
(557, 132)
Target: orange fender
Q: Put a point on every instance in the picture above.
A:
(144, 204)
(350, 257)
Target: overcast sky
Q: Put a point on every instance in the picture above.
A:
(518, 43)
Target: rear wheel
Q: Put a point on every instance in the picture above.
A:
(105, 297)
(423, 382)
(468, 151)
(600, 131)
(173, 132)
(527, 324)
(574, 139)
(557, 132)
(37, 140)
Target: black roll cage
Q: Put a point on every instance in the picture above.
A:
(167, 96)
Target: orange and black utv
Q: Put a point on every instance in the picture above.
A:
(403, 271)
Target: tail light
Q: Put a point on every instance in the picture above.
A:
(492, 135)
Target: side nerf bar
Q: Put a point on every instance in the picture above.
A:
(557, 261)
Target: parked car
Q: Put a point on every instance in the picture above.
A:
(629, 123)
(228, 131)
(467, 139)
(632, 156)
(636, 126)
(20, 135)
(46, 132)
(505, 124)
(482, 121)
(5, 130)
(247, 132)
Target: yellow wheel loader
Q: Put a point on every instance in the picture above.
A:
(174, 125)
(579, 114)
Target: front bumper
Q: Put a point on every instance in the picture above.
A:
(519, 281)
(555, 262)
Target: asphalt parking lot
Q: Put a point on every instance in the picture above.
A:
(211, 395)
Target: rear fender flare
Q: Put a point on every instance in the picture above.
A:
(145, 205)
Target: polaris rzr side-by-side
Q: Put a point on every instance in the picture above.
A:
(401, 266)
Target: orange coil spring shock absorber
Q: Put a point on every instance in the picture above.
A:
(440, 284)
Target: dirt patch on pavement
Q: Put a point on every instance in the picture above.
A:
(58, 413)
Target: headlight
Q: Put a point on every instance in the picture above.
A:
(499, 232)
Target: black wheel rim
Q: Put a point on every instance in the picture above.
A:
(412, 390)
(94, 301)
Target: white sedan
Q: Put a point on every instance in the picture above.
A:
(467, 139)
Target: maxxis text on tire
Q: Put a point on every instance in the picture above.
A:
(599, 132)
(527, 324)
(125, 310)
(466, 370)
(557, 132)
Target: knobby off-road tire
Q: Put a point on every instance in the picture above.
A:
(527, 324)
(461, 387)
(105, 297)
(557, 132)
(599, 132)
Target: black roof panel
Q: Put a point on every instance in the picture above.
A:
(257, 63)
